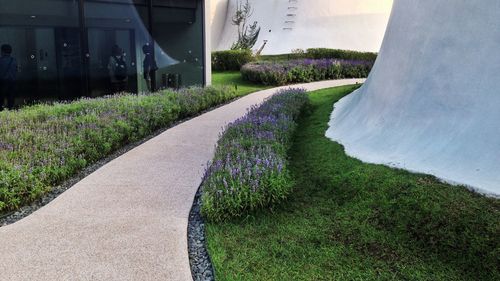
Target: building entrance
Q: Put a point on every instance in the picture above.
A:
(103, 42)
(49, 61)
(64, 48)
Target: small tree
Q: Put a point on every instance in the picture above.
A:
(247, 34)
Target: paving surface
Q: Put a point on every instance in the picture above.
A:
(128, 220)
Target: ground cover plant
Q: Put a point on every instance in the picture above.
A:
(42, 145)
(347, 220)
(250, 169)
(303, 71)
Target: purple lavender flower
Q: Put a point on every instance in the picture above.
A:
(252, 151)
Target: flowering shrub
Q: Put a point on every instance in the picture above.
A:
(304, 70)
(42, 145)
(196, 99)
(249, 170)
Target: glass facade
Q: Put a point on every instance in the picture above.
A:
(71, 48)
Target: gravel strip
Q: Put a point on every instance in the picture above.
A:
(199, 259)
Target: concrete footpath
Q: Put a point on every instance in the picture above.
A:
(128, 220)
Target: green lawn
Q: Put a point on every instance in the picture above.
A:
(234, 78)
(347, 220)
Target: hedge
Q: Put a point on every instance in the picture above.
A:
(231, 60)
(322, 53)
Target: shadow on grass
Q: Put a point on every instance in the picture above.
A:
(348, 220)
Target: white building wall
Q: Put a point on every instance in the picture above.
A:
(301, 24)
(207, 38)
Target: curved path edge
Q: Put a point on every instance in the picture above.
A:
(128, 220)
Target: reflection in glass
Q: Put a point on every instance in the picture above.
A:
(123, 25)
(45, 39)
(65, 50)
(178, 34)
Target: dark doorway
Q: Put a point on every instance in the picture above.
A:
(48, 62)
(101, 42)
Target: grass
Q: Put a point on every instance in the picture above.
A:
(233, 78)
(347, 220)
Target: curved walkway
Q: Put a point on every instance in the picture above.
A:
(128, 220)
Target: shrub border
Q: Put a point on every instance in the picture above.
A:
(234, 185)
(201, 265)
(26, 210)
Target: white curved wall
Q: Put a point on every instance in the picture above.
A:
(343, 24)
(218, 16)
(432, 101)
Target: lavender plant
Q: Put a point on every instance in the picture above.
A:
(304, 70)
(250, 169)
(42, 145)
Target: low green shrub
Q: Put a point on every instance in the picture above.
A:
(324, 53)
(282, 57)
(42, 145)
(231, 59)
(250, 169)
(321, 53)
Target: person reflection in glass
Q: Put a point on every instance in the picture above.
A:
(8, 76)
(149, 66)
(118, 71)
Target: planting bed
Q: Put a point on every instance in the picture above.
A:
(250, 169)
(44, 145)
(250, 164)
(304, 70)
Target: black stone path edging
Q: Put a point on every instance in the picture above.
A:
(199, 259)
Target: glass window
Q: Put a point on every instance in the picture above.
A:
(189, 4)
(45, 40)
(117, 33)
(39, 12)
(60, 55)
(178, 33)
